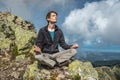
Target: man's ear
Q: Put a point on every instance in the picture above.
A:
(48, 19)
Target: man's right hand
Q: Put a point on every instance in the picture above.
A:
(37, 50)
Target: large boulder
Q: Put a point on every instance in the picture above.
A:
(17, 36)
(83, 69)
(105, 73)
(116, 70)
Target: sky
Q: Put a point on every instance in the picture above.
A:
(93, 24)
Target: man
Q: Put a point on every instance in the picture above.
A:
(47, 43)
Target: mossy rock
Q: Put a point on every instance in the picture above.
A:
(32, 72)
(116, 70)
(14, 38)
(85, 70)
(105, 73)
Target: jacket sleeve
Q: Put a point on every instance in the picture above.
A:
(62, 41)
(40, 38)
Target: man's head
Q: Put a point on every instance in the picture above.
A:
(51, 17)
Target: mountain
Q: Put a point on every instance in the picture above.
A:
(106, 63)
(99, 58)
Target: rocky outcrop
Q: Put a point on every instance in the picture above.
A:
(105, 73)
(77, 70)
(16, 36)
(13, 70)
(108, 73)
(84, 70)
(116, 70)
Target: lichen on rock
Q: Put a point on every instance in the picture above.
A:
(15, 39)
(83, 69)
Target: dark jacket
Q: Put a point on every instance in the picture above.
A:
(44, 40)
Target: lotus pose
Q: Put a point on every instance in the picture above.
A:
(48, 39)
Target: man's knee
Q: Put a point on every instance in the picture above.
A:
(72, 51)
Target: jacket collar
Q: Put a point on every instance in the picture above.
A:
(46, 27)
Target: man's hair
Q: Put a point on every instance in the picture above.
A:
(49, 13)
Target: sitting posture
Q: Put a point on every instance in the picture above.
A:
(49, 37)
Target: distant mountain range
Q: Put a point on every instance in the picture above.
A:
(100, 58)
(106, 63)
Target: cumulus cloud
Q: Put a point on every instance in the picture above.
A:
(97, 22)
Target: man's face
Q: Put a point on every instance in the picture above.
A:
(53, 18)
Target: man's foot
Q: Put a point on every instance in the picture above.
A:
(65, 63)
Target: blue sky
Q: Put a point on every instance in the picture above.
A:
(93, 24)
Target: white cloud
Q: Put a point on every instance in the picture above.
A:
(26, 8)
(96, 19)
(17, 7)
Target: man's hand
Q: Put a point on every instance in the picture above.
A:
(74, 46)
(37, 50)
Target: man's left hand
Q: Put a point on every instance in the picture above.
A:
(74, 46)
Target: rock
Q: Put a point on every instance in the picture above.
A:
(105, 73)
(45, 74)
(23, 40)
(20, 69)
(116, 70)
(20, 57)
(32, 72)
(60, 77)
(83, 70)
(12, 70)
(15, 74)
(15, 39)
